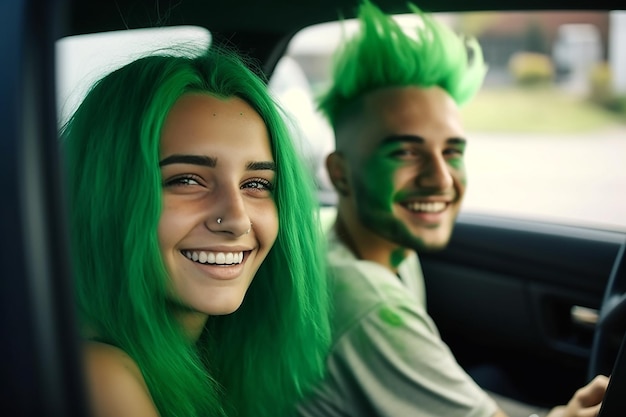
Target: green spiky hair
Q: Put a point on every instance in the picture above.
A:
(257, 361)
(382, 55)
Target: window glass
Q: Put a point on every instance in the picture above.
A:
(83, 59)
(546, 133)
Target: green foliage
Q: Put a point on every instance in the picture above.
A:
(602, 91)
(540, 110)
(475, 24)
(531, 68)
(601, 84)
(535, 39)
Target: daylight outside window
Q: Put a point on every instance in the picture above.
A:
(547, 132)
(83, 59)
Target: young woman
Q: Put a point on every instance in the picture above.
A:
(195, 247)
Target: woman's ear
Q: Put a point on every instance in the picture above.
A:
(336, 167)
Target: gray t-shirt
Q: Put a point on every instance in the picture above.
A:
(388, 358)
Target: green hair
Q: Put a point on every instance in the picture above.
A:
(258, 361)
(382, 55)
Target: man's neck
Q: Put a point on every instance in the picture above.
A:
(367, 245)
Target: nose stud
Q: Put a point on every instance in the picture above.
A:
(219, 221)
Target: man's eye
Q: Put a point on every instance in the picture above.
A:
(403, 154)
(453, 152)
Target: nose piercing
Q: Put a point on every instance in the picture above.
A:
(219, 221)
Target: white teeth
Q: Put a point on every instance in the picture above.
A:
(219, 258)
(430, 207)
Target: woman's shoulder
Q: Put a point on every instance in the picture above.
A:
(110, 361)
(116, 386)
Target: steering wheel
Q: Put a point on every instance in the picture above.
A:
(611, 324)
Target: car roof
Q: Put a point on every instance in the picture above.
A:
(257, 28)
(274, 16)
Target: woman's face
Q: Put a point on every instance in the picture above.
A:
(219, 219)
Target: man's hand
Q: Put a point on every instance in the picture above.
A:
(586, 401)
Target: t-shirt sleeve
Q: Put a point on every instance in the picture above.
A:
(392, 362)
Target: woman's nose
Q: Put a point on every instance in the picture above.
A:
(229, 214)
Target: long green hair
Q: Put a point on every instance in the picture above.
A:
(258, 361)
(382, 55)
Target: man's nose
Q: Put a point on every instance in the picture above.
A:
(435, 173)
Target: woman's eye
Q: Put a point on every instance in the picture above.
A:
(258, 184)
(182, 181)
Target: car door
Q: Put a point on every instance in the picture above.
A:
(41, 375)
(516, 301)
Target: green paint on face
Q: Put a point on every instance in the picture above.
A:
(375, 194)
(377, 177)
(390, 317)
(397, 256)
(456, 163)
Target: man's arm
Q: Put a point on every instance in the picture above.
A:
(395, 363)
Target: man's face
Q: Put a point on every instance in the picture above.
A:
(404, 166)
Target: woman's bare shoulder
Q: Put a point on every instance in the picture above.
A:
(116, 386)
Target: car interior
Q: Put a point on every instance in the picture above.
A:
(530, 294)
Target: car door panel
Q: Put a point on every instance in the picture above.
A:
(514, 296)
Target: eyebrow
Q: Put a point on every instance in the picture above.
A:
(211, 162)
(261, 166)
(206, 161)
(418, 139)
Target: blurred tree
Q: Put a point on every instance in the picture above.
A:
(535, 40)
(474, 24)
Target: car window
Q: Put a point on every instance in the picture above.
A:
(83, 59)
(547, 132)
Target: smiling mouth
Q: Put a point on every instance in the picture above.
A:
(214, 258)
(426, 207)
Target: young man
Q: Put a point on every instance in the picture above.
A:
(399, 173)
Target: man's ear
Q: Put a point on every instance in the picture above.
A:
(337, 172)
